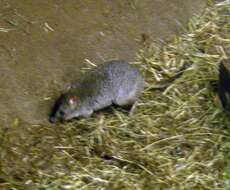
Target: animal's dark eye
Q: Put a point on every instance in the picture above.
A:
(62, 113)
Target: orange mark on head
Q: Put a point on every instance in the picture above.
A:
(72, 100)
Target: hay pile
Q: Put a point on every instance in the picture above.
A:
(178, 138)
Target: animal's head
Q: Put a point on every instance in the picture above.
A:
(64, 108)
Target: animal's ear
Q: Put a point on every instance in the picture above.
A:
(72, 100)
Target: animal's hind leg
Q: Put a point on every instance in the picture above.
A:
(126, 103)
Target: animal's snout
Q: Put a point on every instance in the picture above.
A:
(52, 120)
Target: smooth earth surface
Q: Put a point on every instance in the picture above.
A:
(43, 44)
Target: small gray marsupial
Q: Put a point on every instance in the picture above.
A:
(114, 82)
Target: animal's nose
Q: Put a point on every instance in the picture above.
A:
(52, 119)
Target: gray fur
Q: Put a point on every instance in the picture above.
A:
(114, 82)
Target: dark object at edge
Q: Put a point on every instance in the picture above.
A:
(224, 84)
